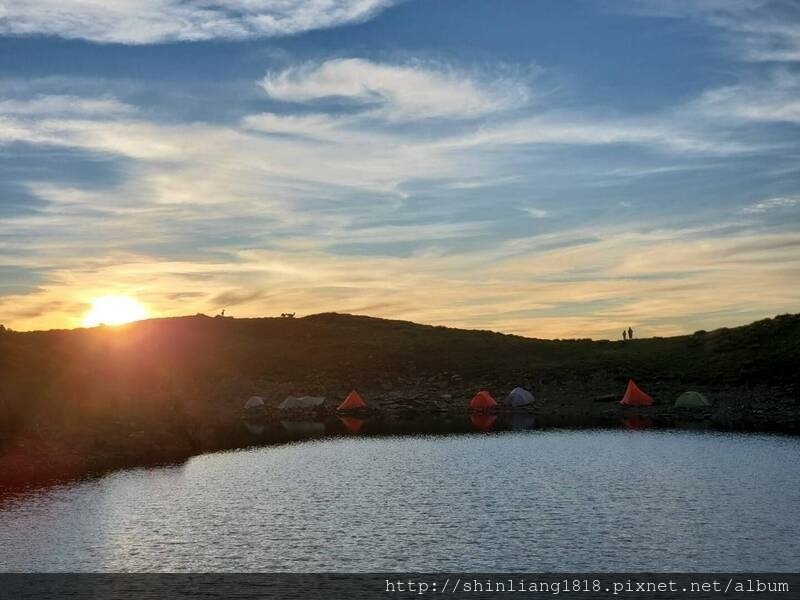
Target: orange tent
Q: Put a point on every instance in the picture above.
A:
(354, 401)
(482, 401)
(634, 396)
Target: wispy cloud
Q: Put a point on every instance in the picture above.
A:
(535, 213)
(64, 105)
(669, 132)
(399, 92)
(771, 204)
(210, 212)
(771, 99)
(157, 21)
(680, 278)
(757, 30)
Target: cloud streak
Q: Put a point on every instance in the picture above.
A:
(772, 99)
(757, 30)
(679, 280)
(50, 105)
(771, 204)
(398, 92)
(159, 21)
(265, 211)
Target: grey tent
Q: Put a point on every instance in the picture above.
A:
(254, 402)
(302, 403)
(691, 400)
(518, 397)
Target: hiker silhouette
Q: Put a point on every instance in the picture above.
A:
(630, 333)
(624, 334)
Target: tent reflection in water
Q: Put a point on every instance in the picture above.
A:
(635, 397)
(482, 401)
(253, 427)
(482, 422)
(637, 423)
(352, 424)
(303, 429)
(691, 400)
(519, 421)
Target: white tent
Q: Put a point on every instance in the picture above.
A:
(518, 397)
(302, 403)
(254, 402)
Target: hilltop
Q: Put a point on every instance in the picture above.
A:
(183, 357)
(187, 376)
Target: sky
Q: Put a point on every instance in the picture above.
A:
(554, 169)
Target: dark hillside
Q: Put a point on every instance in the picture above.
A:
(201, 363)
(176, 383)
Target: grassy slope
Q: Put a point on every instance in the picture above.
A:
(197, 364)
(88, 400)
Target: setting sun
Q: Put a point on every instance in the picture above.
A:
(114, 310)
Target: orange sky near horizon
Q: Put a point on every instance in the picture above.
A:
(445, 163)
(631, 281)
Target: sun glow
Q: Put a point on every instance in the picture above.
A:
(114, 310)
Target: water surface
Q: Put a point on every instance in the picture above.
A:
(514, 501)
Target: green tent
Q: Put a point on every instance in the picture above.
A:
(691, 400)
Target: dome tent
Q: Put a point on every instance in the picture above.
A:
(354, 401)
(482, 401)
(634, 396)
(254, 403)
(691, 400)
(518, 397)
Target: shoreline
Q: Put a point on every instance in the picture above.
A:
(53, 458)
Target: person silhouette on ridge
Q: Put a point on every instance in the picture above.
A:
(624, 334)
(630, 333)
